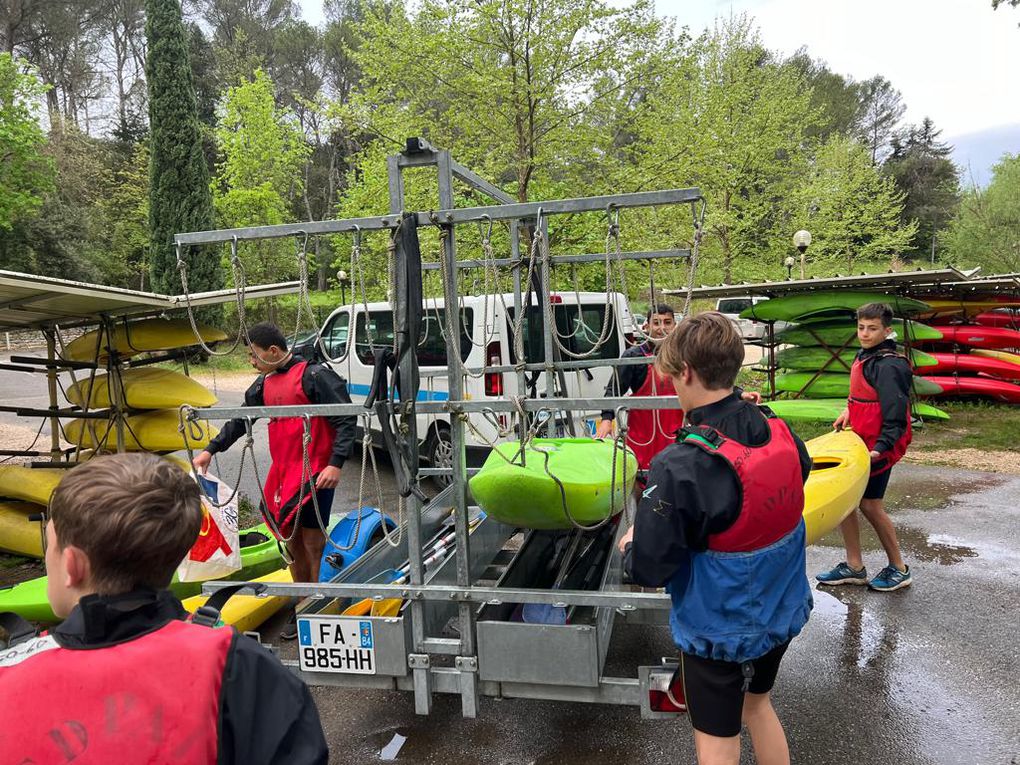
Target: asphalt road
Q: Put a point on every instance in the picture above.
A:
(924, 676)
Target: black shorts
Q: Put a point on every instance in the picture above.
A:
(877, 485)
(325, 500)
(715, 689)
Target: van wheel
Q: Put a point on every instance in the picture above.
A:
(439, 454)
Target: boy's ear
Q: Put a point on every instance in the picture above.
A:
(77, 567)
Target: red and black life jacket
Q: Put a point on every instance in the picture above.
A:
(155, 698)
(770, 480)
(649, 431)
(866, 414)
(284, 495)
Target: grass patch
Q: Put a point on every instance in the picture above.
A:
(977, 425)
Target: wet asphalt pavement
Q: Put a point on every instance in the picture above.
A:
(929, 675)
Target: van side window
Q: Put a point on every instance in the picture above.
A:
(431, 346)
(578, 331)
(334, 334)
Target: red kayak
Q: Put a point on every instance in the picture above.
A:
(948, 363)
(977, 336)
(978, 386)
(1002, 318)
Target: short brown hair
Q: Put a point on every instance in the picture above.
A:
(134, 515)
(881, 311)
(709, 344)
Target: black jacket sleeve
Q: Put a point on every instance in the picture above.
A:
(234, 429)
(805, 458)
(891, 378)
(267, 715)
(626, 379)
(324, 386)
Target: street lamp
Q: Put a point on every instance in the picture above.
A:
(343, 280)
(802, 240)
(790, 262)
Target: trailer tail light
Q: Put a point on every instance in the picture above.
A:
(493, 380)
(663, 692)
(555, 299)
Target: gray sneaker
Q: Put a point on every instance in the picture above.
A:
(843, 574)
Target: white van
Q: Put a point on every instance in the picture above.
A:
(749, 329)
(485, 344)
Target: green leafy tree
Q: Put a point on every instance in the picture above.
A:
(882, 108)
(850, 208)
(731, 120)
(930, 182)
(25, 173)
(987, 230)
(179, 198)
(836, 99)
(263, 152)
(126, 211)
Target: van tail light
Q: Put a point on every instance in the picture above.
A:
(493, 380)
(555, 299)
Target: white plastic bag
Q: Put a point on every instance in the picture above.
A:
(217, 551)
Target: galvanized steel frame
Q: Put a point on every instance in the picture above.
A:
(463, 678)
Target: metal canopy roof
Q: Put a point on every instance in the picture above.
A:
(893, 280)
(31, 302)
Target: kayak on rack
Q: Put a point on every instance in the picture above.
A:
(944, 308)
(561, 479)
(143, 336)
(143, 388)
(808, 304)
(950, 363)
(976, 336)
(259, 555)
(155, 431)
(828, 409)
(835, 385)
(1010, 319)
(958, 385)
(247, 612)
(835, 333)
(1012, 358)
(29, 484)
(19, 534)
(814, 357)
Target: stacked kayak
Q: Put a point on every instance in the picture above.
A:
(828, 409)
(153, 431)
(834, 384)
(259, 555)
(812, 358)
(562, 482)
(144, 336)
(842, 333)
(836, 303)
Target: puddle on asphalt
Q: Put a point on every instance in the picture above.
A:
(915, 544)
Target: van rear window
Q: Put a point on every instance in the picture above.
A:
(432, 345)
(578, 330)
(733, 305)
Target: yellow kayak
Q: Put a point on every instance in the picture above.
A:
(247, 612)
(29, 484)
(154, 431)
(19, 535)
(144, 388)
(1012, 358)
(837, 481)
(140, 337)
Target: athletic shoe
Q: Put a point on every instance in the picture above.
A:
(890, 578)
(289, 631)
(843, 574)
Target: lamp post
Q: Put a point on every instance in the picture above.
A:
(790, 262)
(802, 240)
(343, 280)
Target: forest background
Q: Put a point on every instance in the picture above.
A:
(551, 99)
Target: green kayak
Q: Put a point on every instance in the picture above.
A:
(260, 555)
(834, 385)
(828, 409)
(813, 357)
(530, 496)
(794, 307)
(835, 332)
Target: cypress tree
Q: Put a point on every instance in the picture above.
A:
(179, 195)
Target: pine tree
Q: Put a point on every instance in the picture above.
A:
(179, 196)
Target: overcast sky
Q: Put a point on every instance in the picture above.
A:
(957, 61)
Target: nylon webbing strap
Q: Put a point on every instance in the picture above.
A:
(18, 630)
(208, 615)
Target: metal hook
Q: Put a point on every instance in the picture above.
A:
(356, 239)
(487, 236)
(304, 245)
(233, 249)
(180, 255)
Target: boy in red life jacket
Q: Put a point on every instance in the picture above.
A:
(649, 431)
(878, 410)
(287, 380)
(125, 678)
(721, 526)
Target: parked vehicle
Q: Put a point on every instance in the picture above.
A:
(486, 340)
(749, 329)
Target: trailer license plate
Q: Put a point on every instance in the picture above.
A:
(336, 644)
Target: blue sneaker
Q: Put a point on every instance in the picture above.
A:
(843, 574)
(890, 578)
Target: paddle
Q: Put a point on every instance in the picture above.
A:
(547, 613)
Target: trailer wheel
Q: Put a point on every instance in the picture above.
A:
(439, 454)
